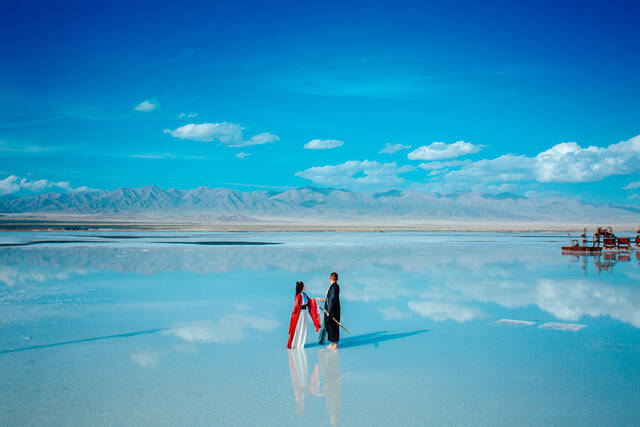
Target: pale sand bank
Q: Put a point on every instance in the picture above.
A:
(27, 222)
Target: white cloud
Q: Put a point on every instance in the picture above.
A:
(500, 169)
(441, 150)
(259, 139)
(357, 174)
(225, 132)
(145, 106)
(569, 162)
(441, 165)
(502, 188)
(13, 184)
(437, 167)
(187, 115)
(393, 148)
(242, 155)
(229, 134)
(323, 144)
(564, 162)
(632, 185)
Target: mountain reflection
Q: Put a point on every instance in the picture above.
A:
(204, 260)
(443, 282)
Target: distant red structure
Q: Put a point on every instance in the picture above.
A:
(610, 242)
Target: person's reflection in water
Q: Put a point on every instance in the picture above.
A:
(329, 362)
(299, 371)
(330, 366)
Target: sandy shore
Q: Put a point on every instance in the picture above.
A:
(88, 223)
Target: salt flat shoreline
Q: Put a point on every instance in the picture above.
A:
(79, 224)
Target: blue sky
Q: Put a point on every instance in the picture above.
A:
(499, 96)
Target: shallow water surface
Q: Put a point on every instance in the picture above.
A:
(190, 328)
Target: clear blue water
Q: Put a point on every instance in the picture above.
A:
(448, 329)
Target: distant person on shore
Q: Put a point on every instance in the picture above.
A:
(299, 321)
(330, 328)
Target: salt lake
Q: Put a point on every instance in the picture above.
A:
(447, 329)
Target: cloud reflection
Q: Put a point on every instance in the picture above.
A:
(229, 328)
(514, 323)
(13, 275)
(572, 299)
(573, 327)
(393, 313)
(437, 280)
(146, 359)
(440, 311)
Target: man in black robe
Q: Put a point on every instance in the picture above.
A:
(330, 328)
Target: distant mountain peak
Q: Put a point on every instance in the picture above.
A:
(503, 196)
(312, 203)
(390, 193)
(321, 190)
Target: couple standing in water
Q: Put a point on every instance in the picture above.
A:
(330, 328)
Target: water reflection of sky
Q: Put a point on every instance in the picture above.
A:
(466, 328)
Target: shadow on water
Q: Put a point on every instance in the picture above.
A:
(185, 242)
(371, 338)
(82, 340)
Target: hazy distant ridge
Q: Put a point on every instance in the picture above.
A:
(224, 204)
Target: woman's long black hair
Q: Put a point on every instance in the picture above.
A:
(299, 286)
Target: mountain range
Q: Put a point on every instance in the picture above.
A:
(311, 203)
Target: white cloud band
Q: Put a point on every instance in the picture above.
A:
(323, 144)
(393, 148)
(441, 150)
(145, 106)
(566, 162)
(229, 134)
(357, 174)
(13, 184)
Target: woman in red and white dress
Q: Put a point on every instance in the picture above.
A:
(299, 321)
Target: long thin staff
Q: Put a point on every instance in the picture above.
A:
(329, 316)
